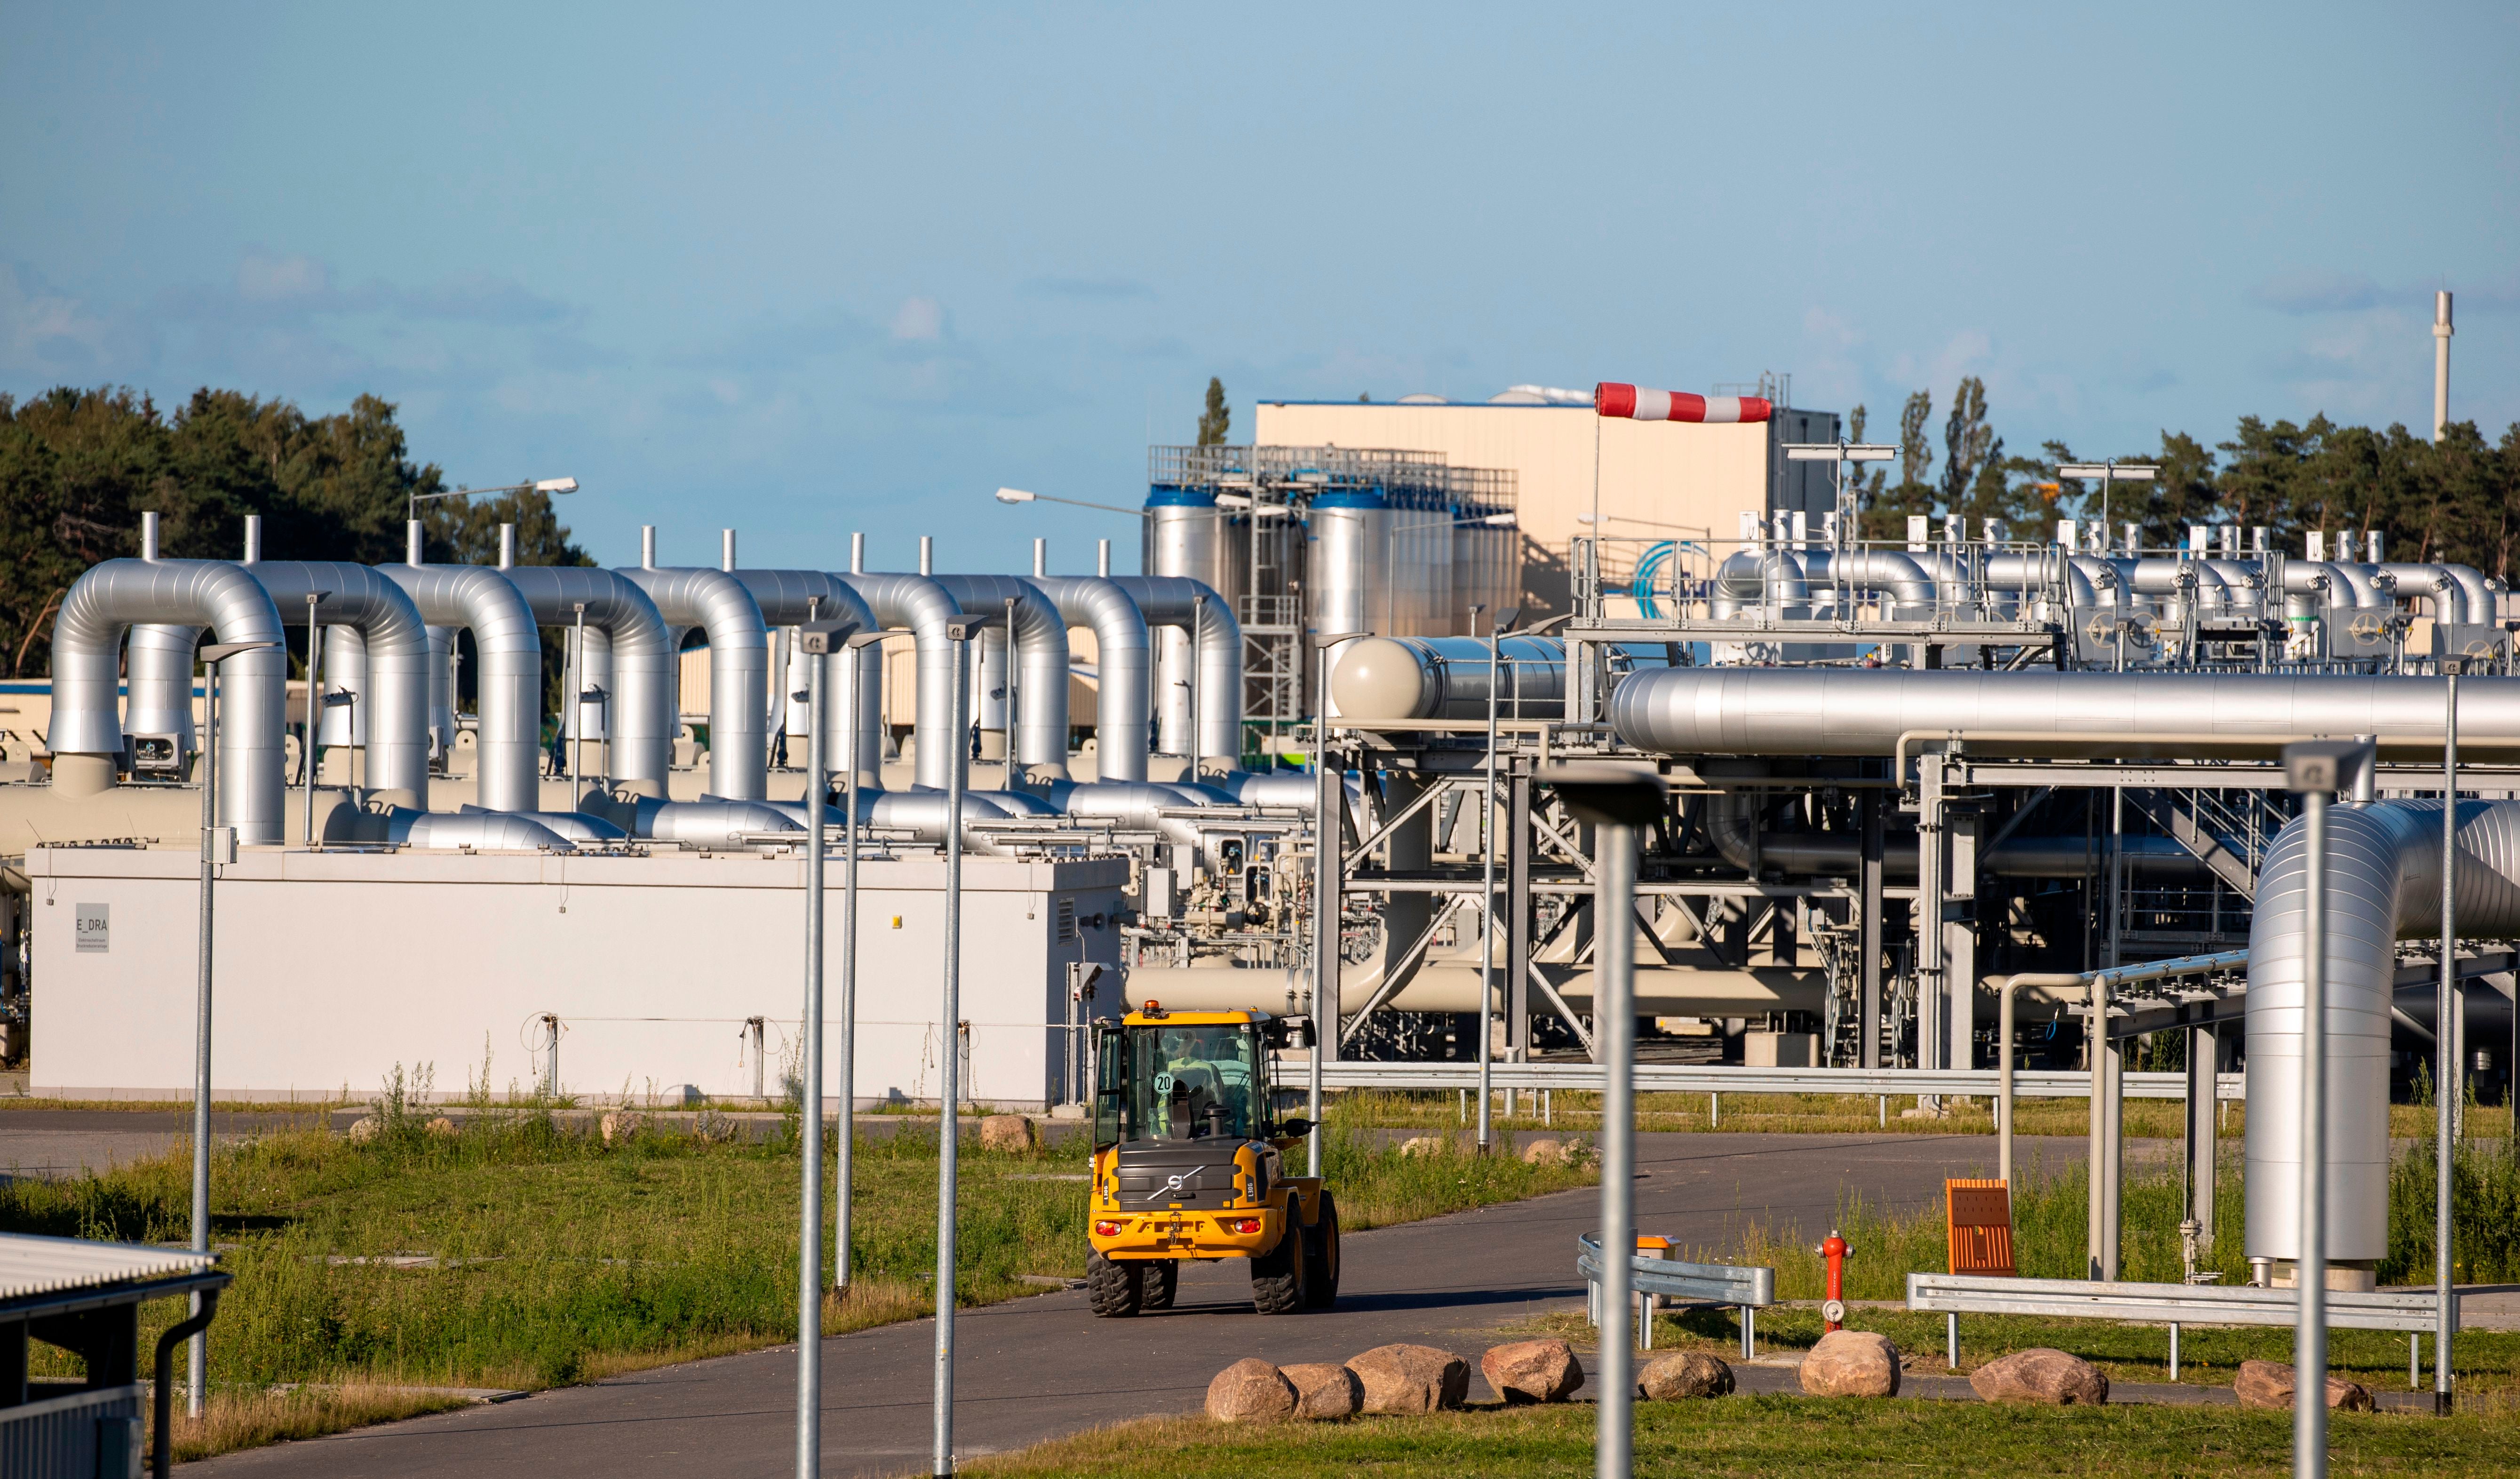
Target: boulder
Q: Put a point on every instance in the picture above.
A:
(1008, 1133)
(1852, 1364)
(619, 1125)
(2268, 1384)
(1403, 1382)
(2048, 1377)
(1424, 1144)
(1549, 1152)
(442, 1127)
(1532, 1370)
(1684, 1373)
(1324, 1390)
(1251, 1391)
(363, 1129)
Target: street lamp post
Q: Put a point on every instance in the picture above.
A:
(544, 485)
(2316, 770)
(1330, 800)
(216, 842)
(2109, 473)
(815, 638)
(845, 1136)
(960, 630)
(1617, 803)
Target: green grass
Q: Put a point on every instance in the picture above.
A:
(1782, 1436)
(536, 1255)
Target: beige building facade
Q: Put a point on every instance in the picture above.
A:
(1656, 480)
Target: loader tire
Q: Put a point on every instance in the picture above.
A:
(1111, 1288)
(1322, 1256)
(1278, 1280)
(1163, 1277)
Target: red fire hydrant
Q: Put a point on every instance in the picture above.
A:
(1833, 1311)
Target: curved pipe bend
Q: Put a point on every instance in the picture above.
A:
(2383, 885)
(853, 691)
(1123, 666)
(509, 668)
(919, 603)
(1040, 640)
(87, 676)
(739, 643)
(394, 664)
(635, 664)
(1193, 606)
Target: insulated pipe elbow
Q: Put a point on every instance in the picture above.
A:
(640, 720)
(1123, 667)
(2456, 591)
(853, 691)
(1176, 601)
(920, 604)
(1041, 657)
(2383, 885)
(508, 671)
(396, 664)
(739, 669)
(2015, 574)
(161, 681)
(87, 640)
(1756, 576)
(1912, 592)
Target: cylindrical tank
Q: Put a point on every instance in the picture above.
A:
(1349, 539)
(1386, 679)
(1187, 534)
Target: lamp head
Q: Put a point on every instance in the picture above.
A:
(556, 486)
(1016, 495)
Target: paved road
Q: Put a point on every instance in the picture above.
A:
(68, 1142)
(1036, 1369)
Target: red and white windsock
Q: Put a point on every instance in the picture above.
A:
(1634, 405)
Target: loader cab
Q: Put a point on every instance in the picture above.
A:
(1182, 1077)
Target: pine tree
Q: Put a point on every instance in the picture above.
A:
(1216, 420)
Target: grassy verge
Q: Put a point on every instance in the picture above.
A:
(2049, 1242)
(521, 1251)
(1785, 1435)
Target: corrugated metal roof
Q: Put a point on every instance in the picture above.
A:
(30, 1265)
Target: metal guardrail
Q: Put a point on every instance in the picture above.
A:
(1693, 1283)
(1654, 1279)
(1956, 1294)
(1674, 1078)
(2173, 1304)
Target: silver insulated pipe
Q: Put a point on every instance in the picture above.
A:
(1194, 607)
(1387, 679)
(395, 692)
(788, 597)
(509, 670)
(1778, 711)
(1123, 667)
(739, 669)
(637, 667)
(2383, 885)
(920, 604)
(86, 734)
(159, 665)
(1040, 741)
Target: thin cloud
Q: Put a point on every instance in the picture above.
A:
(2302, 293)
(1096, 289)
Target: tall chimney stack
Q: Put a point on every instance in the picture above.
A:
(2441, 363)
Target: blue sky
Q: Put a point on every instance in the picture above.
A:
(814, 269)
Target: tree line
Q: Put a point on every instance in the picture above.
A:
(2451, 500)
(78, 467)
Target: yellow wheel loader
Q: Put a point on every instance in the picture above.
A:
(1190, 1163)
